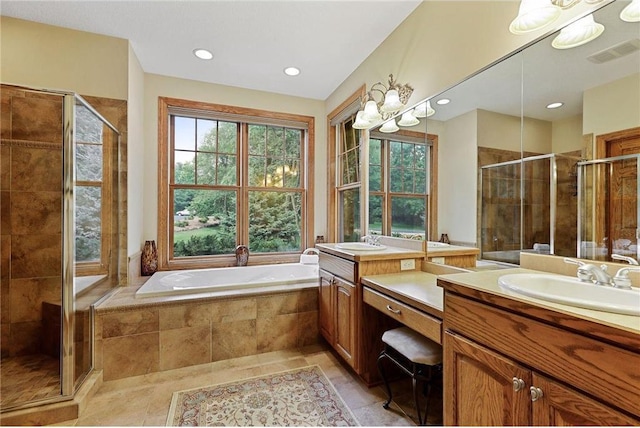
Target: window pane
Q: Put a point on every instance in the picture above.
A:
(292, 176)
(206, 168)
(375, 214)
(395, 180)
(207, 134)
(395, 155)
(257, 139)
(274, 221)
(88, 223)
(350, 228)
(275, 141)
(185, 168)
(227, 170)
(293, 142)
(375, 178)
(227, 137)
(408, 181)
(350, 167)
(204, 222)
(257, 171)
(421, 182)
(184, 133)
(88, 162)
(408, 216)
(375, 151)
(407, 155)
(421, 156)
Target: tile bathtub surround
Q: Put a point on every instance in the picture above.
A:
(135, 338)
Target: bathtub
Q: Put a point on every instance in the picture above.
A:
(243, 278)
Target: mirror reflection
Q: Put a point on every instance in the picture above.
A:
(539, 151)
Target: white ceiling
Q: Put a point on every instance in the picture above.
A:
(252, 41)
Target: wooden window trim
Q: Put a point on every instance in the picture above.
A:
(165, 261)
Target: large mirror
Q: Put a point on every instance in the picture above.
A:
(515, 175)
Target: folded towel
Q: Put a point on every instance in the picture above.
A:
(309, 259)
(542, 247)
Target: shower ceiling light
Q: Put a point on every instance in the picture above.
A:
(555, 105)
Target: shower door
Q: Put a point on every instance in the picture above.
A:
(608, 212)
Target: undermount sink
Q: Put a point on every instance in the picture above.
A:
(359, 246)
(434, 244)
(573, 292)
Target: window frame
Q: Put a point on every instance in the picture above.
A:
(168, 107)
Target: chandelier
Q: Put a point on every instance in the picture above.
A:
(391, 99)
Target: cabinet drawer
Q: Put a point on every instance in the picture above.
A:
(345, 269)
(424, 324)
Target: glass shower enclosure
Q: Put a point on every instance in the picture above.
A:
(608, 212)
(538, 194)
(60, 221)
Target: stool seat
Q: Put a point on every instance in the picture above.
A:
(413, 346)
(417, 356)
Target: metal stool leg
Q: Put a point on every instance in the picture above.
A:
(414, 382)
(384, 379)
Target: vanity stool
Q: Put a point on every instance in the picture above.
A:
(417, 356)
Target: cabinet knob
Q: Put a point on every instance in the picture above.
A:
(518, 384)
(395, 311)
(536, 393)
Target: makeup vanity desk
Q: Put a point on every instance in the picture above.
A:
(412, 298)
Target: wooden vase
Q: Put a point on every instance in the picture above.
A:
(149, 258)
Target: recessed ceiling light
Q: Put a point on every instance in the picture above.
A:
(443, 101)
(202, 53)
(555, 105)
(291, 71)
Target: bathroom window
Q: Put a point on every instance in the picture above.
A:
(232, 176)
(399, 185)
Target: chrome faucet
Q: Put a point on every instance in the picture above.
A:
(372, 239)
(242, 255)
(588, 272)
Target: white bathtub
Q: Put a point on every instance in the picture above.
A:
(231, 278)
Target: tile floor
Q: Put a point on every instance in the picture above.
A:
(27, 378)
(144, 400)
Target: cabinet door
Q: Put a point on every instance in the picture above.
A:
(563, 406)
(345, 329)
(326, 315)
(482, 387)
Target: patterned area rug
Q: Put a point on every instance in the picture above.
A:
(301, 397)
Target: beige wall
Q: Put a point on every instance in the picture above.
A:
(156, 86)
(135, 155)
(603, 111)
(51, 57)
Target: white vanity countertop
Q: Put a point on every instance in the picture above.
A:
(487, 282)
(387, 253)
(415, 288)
(451, 250)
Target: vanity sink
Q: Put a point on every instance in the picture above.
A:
(434, 244)
(359, 246)
(573, 292)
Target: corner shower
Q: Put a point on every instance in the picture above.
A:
(561, 205)
(529, 205)
(60, 194)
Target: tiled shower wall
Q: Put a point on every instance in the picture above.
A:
(31, 217)
(31, 138)
(504, 194)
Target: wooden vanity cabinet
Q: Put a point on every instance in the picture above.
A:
(338, 300)
(505, 368)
